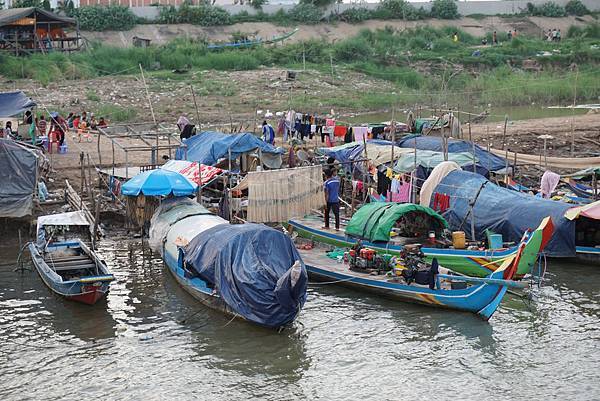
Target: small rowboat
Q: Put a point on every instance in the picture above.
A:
(69, 268)
(481, 296)
(468, 262)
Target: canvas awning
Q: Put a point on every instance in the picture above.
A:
(18, 165)
(591, 211)
(14, 103)
(374, 221)
(63, 219)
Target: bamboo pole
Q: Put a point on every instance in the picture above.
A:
(573, 114)
(151, 111)
(504, 132)
(196, 106)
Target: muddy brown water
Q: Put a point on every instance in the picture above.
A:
(151, 340)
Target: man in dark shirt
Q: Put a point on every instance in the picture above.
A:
(332, 191)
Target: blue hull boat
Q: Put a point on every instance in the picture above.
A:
(481, 296)
(72, 270)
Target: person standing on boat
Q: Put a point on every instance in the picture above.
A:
(332, 200)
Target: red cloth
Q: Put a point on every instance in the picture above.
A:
(339, 130)
(208, 172)
(441, 202)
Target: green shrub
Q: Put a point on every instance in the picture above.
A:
(576, 7)
(548, 9)
(399, 9)
(352, 49)
(105, 18)
(551, 9)
(306, 13)
(197, 15)
(354, 15)
(444, 9)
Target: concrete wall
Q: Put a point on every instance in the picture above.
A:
(464, 7)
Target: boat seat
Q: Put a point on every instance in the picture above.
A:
(75, 267)
(69, 262)
(69, 258)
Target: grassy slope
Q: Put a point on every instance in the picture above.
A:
(421, 64)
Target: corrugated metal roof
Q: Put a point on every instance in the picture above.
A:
(14, 14)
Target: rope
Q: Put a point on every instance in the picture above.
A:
(330, 282)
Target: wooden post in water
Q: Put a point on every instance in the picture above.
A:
(89, 181)
(82, 172)
(504, 132)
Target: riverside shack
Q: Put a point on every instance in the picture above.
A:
(35, 30)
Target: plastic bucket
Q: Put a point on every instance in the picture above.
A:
(458, 240)
(496, 241)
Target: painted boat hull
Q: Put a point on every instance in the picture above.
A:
(481, 299)
(87, 290)
(195, 286)
(588, 255)
(469, 263)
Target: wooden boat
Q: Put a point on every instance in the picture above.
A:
(481, 295)
(251, 43)
(468, 262)
(69, 268)
(177, 227)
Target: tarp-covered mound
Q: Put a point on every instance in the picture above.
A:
(374, 221)
(485, 159)
(504, 211)
(13, 103)
(209, 147)
(251, 268)
(18, 166)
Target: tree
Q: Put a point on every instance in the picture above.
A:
(444, 9)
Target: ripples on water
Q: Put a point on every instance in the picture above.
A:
(150, 340)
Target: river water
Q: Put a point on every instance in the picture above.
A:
(151, 341)
(497, 114)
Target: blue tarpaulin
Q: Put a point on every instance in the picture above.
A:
(250, 268)
(208, 147)
(487, 160)
(14, 103)
(504, 211)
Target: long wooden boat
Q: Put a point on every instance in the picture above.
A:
(482, 296)
(468, 262)
(252, 43)
(177, 229)
(72, 270)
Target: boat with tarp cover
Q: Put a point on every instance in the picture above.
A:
(248, 271)
(373, 222)
(68, 266)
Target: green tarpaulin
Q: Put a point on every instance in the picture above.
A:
(588, 172)
(374, 221)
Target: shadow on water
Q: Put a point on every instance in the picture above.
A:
(151, 303)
